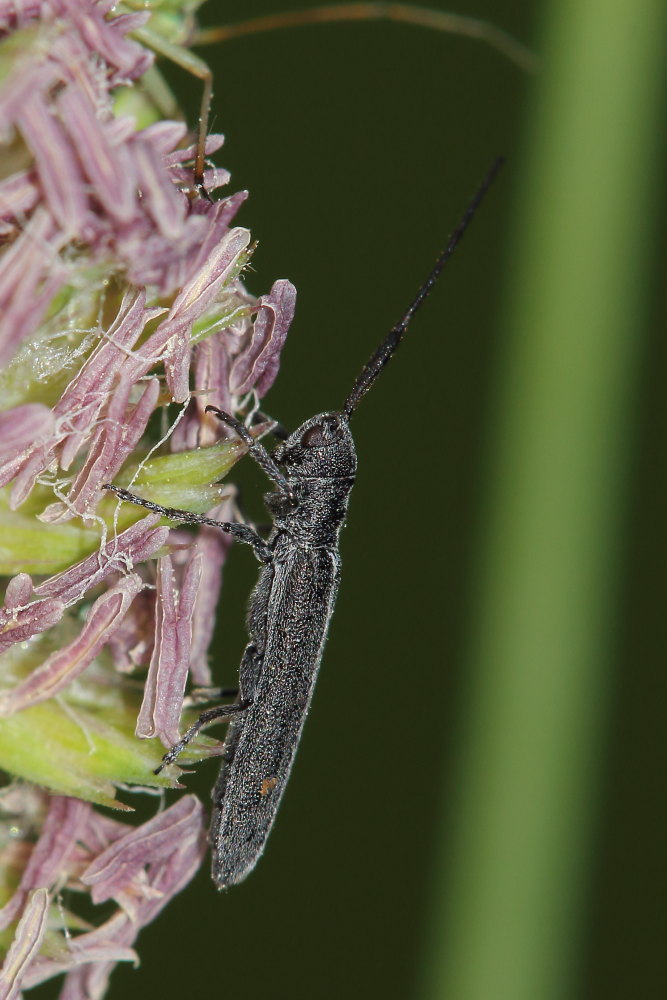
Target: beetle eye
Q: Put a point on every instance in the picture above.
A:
(313, 437)
(321, 434)
(316, 437)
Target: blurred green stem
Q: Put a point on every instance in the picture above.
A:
(512, 883)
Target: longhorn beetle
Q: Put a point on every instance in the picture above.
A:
(291, 606)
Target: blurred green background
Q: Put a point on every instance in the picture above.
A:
(478, 808)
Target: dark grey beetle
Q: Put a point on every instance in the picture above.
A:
(291, 606)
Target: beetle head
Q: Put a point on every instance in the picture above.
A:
(322, 447)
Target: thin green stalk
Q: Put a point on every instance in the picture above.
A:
(508, 919)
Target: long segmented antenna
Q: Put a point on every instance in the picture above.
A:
(379, 359)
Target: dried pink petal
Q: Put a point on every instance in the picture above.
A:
(178, 157)
(106, 164)
(165, 685)
(131, 645)
(21, 426)
(91, 956)
(176, 360)
(143, 868)
(213, 546)
(211, 273)
(107, 37)
(132, 546)
(74, 415)
(162, 857)
(60, 669)
(170, 342)
(211, 385)
(18, 591)
(115, 439)
(167, 207)
(20, 623)
(14, 15)
(19, 194)
(257, 365)
(25, 944)
(48, 864)
(29, 279)
(28, 76)
(98, 832)
(166, 137)
(118, 872)
(87, 393)
(55, 162)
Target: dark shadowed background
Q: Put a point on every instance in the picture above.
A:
(360, 145)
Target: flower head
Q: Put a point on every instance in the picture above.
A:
(122, 316)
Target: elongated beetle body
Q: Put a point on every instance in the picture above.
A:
(290, 607)
(289, 614)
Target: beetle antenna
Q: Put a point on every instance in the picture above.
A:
(376, 363)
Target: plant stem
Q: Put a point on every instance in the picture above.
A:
(512, 882)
